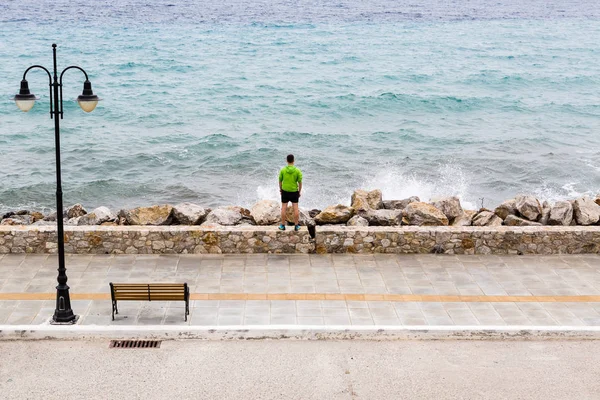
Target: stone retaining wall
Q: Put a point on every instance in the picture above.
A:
(329, 239)
(459, 240)
(155, 239)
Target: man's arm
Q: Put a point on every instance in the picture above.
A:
(299, 189)
(280, 180)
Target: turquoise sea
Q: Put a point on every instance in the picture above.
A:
(202, 100)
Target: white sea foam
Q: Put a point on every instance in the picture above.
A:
(448, 179)
(568, 191)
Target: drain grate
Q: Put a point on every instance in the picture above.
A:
(135, 344)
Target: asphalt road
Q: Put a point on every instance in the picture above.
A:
(302, 370)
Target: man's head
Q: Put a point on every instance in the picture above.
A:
(290, 158)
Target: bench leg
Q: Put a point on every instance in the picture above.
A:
(187, 309)
(114, 309)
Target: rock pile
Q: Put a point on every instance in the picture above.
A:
(367, 208)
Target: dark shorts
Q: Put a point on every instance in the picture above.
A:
(286, 197)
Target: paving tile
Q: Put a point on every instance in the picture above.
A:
(359, 313)
(413, 321)
(337, 320)
(361, 321)
(309, 312)
(230, 320)
(283, 319)
(335, 312)
(230, 312)
(257, 320)
(310, 320)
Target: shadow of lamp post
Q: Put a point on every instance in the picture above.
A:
(87, 101)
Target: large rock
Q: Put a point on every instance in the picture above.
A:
(75, 222)
(513, 220)
(155, 215)
(399, 204)
(189, 214)
(96, 217)
(509, 207)
(528, 207)
(338, 214)
(314, 212)
(423, 214)
(383, 217)
(546, 208)
(586, 211)
(561, 213)
(364, 201)
(450, 206)
(266, 212)
(42, 222)
(224, 216)
(36, 216)
(465, 219)
(304, 217)
(357, 220)
(15, 220)
(487, 218)
(75, 211)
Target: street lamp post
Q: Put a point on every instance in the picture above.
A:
(87, 101)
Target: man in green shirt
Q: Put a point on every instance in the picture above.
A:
(290, 186)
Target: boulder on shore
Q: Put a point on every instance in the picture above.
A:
(513, 220)
(314, 212)
(96, 217)
(399, 204)
(363, 200)
(75, 211)
(304, 217)
(450, 206)
(424, 214)
(189, 214)
(36, 216)
(383, 217)
(586, 211)
(561, 213)
(528, 207)
(487, 218)
(509, 207)
(357, 220)
(465, 219)
(15, 220)
(266, 212)
(546, 208)
(155, 215)
(338, 214)
(224, 216)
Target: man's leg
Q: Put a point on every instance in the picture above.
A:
(283, 213)
(296, 213)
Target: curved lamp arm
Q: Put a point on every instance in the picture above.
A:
(87, 91)
(41, 67)
(72, 67)
(49, 82)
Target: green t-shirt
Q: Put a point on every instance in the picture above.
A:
(289, 177)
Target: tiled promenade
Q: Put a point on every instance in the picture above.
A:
(324, 290)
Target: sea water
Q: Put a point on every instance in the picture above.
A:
(202, 100)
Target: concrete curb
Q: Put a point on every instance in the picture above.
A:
(296, 332)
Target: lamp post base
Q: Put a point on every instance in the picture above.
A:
(71, 322)
(63, 313)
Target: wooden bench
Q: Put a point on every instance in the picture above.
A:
(149, 292)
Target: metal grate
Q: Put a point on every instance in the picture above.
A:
(135, 344)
